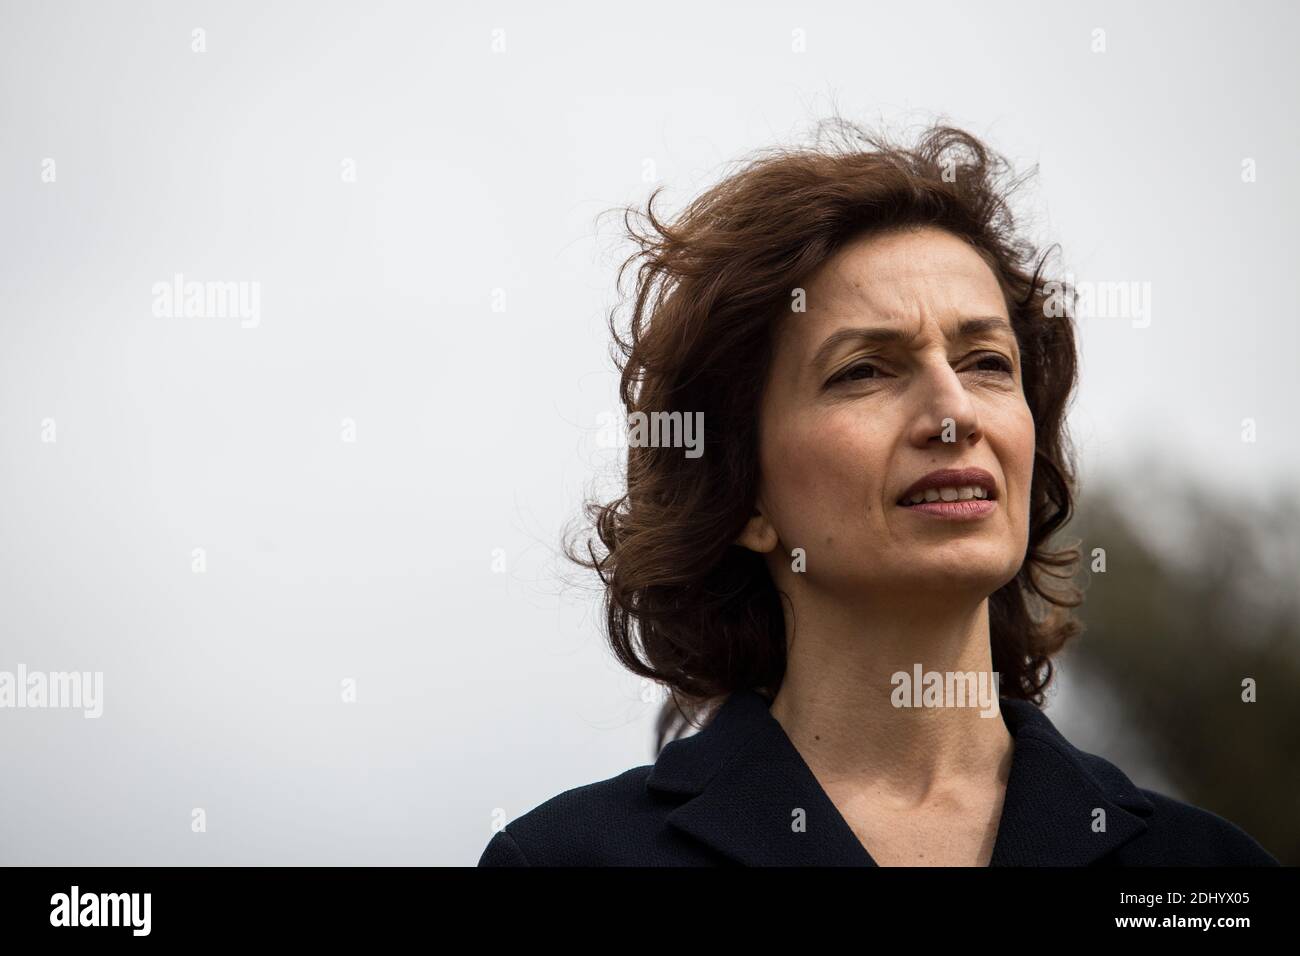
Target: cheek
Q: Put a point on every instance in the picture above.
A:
(1025, 443)
(818, 470)
(1015, 435)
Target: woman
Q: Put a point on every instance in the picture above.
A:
(856, 572)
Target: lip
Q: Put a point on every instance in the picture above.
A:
(950, 478)
(972, 510)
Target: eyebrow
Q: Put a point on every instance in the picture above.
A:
(966, 329)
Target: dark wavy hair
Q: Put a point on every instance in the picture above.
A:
(687, 608)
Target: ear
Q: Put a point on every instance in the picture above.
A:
(758, 535)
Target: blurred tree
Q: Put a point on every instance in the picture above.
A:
(1198, 594)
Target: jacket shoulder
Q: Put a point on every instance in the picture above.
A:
(1171, 832)
(594, 824)
(1181, 834)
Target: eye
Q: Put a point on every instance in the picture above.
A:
(999, 363)
(859, 372)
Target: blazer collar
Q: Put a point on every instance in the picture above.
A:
(745, 780)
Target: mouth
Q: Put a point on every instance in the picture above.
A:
(952, 493)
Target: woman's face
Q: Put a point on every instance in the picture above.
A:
(871, 388)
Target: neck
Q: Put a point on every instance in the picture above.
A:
(837, 702)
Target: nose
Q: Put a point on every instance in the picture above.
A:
(945, 413)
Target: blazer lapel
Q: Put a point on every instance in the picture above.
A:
(1063, 807)
(755, 799)
(752, 797)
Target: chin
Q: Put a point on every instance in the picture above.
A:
(959, 569)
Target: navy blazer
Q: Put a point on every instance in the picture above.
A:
(728, 794)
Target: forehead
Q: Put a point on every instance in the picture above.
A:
(902, 278)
